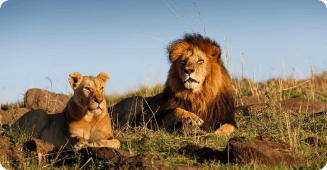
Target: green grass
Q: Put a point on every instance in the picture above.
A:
(282, 127)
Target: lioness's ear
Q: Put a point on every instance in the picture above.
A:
(103, 76)
(75, 79)
(177, 49)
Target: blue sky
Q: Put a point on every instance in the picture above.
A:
(42, 39)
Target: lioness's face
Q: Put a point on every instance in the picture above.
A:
(192, 69)
(89, 91)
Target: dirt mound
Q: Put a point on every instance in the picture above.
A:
(43, 99)
(294, 106)
(10, 116)
(5, 117)
(149, 161)
(248, 104)
(298, 105)
(261, 150)
(203, 153)
(9, 153)
(249, 100)
(120, 158)
(39, 146)
(19, 112)
(4, 140)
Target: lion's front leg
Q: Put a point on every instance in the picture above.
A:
(225, 130)
(183, 116)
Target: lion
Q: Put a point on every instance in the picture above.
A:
(85, 122)
(197, 92)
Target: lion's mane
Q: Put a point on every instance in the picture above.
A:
(214, 103)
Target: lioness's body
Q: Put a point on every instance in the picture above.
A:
(198, 91)
(84, 122)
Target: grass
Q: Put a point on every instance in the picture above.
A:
(271, 121)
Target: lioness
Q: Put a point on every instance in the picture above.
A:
(84, 122)
(198, 91)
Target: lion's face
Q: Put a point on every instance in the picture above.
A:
(89, 91)
(193, 59)
(193, 69)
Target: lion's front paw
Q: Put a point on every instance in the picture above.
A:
(194, 121)
(225, 130)
(187, 117)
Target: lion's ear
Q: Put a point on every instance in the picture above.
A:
(177, 49)
(215, 52)
(75, 80)
(103, 76)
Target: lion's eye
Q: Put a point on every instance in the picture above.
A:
(86, 88)
(183, 61)
(102, 88)
(200, 61)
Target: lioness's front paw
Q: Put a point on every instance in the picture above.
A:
(79, 146)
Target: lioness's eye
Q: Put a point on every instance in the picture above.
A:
(200, 61)
(86, 88)
(183, 61)
(101, 88)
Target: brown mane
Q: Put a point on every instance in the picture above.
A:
(214, 104)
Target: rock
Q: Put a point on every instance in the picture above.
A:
(9, 153)
(313, 141)
(298, 105)
(43, 99)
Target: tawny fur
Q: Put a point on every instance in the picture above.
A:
(198, 89)
(84, 123)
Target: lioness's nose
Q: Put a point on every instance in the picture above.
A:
(98, 100)
(188, 71)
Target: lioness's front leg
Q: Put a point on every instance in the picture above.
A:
(113, 143)
(183, 116)
(78, 143)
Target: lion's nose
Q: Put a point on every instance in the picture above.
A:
(98, 100)
(188, 71)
